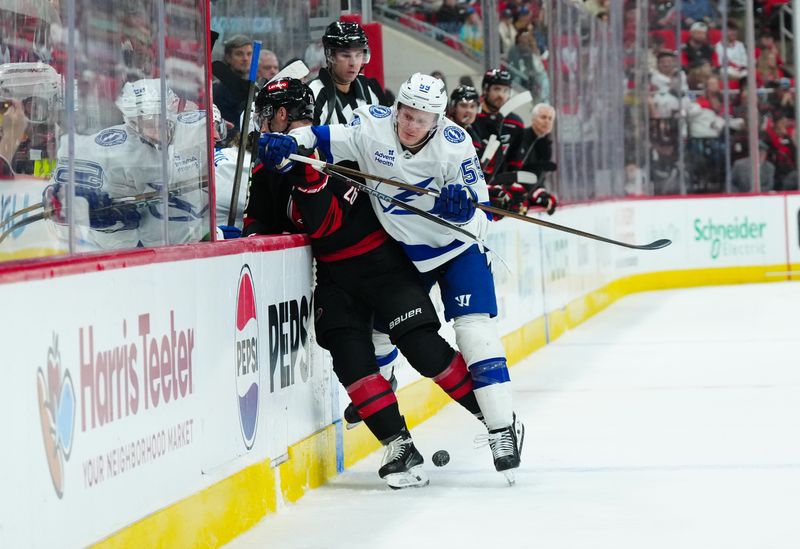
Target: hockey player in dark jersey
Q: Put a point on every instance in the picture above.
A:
(463, 110)
(496, 89)
(361, 273)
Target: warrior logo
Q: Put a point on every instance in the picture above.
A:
(57, 414)
(247, 370)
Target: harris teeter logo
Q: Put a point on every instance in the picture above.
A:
(246, 359)
(731, 238)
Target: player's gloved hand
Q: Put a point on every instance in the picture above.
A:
(499, 197)
(519, 197)
(274, 150)
(455, 203)
(105, 213)
(228, 232)
(540, 198)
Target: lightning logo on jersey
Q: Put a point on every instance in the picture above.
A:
(405, 196)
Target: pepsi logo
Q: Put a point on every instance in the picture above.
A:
(246, 359)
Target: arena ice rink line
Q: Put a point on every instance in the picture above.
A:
(670, 420)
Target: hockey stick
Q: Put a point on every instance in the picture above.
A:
(494, 144)
(136, 200)
(243, 131)
(655, 245)
(382, 196)
(18, 213)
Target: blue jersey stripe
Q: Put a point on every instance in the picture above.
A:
(323, 134)
(423, 252)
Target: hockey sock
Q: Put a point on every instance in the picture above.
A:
(457, 383)
(377, 405)
(492, 388)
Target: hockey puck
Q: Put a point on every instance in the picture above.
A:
(440, 458)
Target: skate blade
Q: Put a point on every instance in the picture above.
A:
(416, 477)
(352, 425)
(510, 478)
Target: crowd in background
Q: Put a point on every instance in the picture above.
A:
(697, 104)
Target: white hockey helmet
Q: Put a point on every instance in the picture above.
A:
(424, 92)
(36, 85)
(140, 103)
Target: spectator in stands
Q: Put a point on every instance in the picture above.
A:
(12, 131)
(782, 98)
(522, 20)
(699, 73)
(537, 142)
(663, 14)
(698, 11)
(766, 42)
(472, 30)
(526, 59)
(768, 70)
(668, 75)
(732, 49)
(780, 138)
(230, 90)
(450, 16)
(267, 66)
(697, 47)
(706, 148)
(741, 180)
(506, 30)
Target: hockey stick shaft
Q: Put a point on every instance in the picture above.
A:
(18, 213)
(243, 132)
(137, 200)
(661, 243)
(422, 213)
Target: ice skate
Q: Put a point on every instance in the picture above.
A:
(402, 464)
(506, 445)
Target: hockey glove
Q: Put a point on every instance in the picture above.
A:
(499, 197)
(540, 198)
(228, 232)
(274, 150)
(519, 197)
(455, 203)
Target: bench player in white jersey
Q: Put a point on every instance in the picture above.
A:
(123, 161)
(415, 143)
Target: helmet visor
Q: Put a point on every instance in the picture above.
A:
(414, 125)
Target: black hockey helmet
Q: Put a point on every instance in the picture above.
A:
(290, 93)
(462, 93)
(342, 35)
(497, 77)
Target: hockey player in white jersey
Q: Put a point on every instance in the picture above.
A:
(113, 167)
(414, 142)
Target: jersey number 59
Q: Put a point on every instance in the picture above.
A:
(471, 170)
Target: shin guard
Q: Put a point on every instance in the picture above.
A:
(456, 381)
(377, 405)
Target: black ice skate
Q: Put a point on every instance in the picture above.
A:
(402, 464)
(351, 416)
(506, 444)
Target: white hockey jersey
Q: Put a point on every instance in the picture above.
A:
(117, 162)
(224, 172)
(448, 157)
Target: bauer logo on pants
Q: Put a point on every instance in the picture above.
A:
(247, 371)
